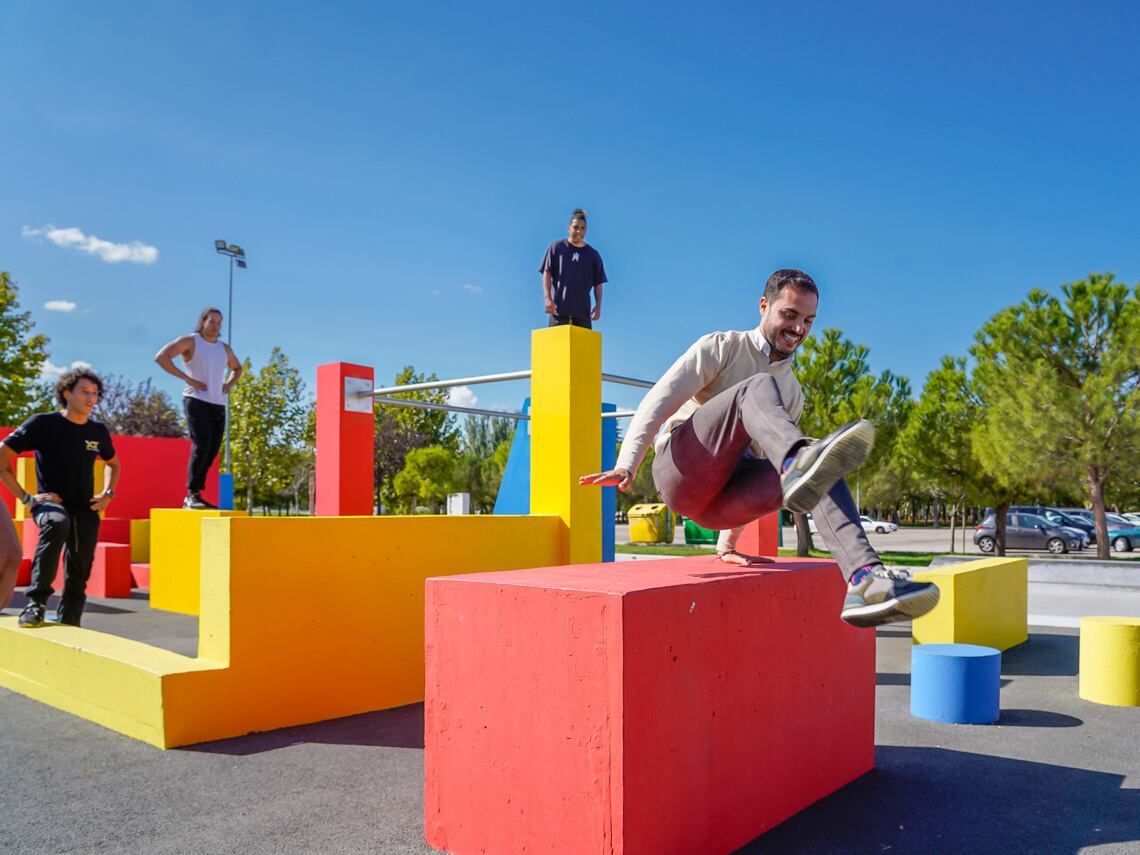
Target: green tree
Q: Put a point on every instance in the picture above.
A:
(838, 388)
(137, 410)
(269, 418)
(22, 357)
(400, 430)
(1059, 380)
(427, 477)
(482, 435)
(937, 441)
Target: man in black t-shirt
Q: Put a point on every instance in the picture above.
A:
(66, 444)
(571, 269)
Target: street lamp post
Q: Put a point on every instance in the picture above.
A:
(236, 255)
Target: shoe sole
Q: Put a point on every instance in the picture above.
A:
(844, 453)
(894, 610)
(32, 625)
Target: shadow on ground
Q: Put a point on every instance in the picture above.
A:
(402, 727)
(934, 800)
(1044, 655)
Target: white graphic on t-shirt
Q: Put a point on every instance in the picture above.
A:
(574, 257)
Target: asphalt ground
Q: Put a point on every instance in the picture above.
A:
(1056, 774)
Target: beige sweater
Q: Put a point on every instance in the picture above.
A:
(714, 363)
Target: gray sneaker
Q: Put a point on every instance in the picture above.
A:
(888, 596)
(818, 465)
(32, 616)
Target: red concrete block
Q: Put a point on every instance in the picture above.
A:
(115, 530)
(672, 706)
(140, 576)
(345, 427)
(111, 571)
(24, 573)
(762, 536)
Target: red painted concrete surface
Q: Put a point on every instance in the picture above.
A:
(110, 571)
(345, 466)
(672, 706)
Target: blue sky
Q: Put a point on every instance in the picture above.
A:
(395, 171)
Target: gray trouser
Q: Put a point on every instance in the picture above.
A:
(702, 474)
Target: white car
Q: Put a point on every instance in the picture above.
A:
(1132, 517)
(878, 526)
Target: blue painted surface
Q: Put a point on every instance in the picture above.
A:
(226, 491)
(514, 489)
(955, 683)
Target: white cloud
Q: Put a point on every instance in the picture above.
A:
(52, 372)
(135, 251)
(474, 289)
(435, 292)
(462, 396)
(60, 306)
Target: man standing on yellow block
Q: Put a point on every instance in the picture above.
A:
(66, 510)
(729, 450)
(211, 371)
(570, 270)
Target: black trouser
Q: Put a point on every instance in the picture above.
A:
(207, 427)
(573, 320)
(75, 530)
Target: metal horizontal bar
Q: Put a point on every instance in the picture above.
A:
(444, 384)
(619, 414)
(449, 408)
(627, 381)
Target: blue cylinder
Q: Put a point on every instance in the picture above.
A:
(955, 683)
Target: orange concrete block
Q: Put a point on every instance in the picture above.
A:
(672, 706)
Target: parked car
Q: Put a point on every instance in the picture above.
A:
(1028, 531)
(1135, 517)
(878, 526)
(1112, 520)
(1124, 539)
(1059, 517)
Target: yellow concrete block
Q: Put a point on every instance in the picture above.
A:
(1110, 661)
(140, 541)
(566, 442)
(270, 652)
(175, 557)
(983, 602)
(111, 681)
(26, 475)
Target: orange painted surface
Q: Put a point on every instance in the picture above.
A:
(110, 571)
(670, 706)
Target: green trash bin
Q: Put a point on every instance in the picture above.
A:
(650, 523)
(697, 535)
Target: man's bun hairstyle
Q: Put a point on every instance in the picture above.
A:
(578, 214)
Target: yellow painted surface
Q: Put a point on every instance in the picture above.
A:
(566, 404)
(140, 541)
(1110, 660)
(111, 681)
(26, 475)
(983, 602)
(303, 619)
(175, 557)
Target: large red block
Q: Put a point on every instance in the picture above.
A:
(673, 706)
(345, 436)
(110, 571)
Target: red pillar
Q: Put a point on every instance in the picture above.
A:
(345, 426)
(762, 537)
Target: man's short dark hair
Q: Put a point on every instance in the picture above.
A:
(789, 277)
(206, 312)
(578, 214)
(68, 381)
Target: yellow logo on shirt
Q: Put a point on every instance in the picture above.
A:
(92, 445)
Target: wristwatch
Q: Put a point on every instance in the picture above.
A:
(26, 499)
(109, 493)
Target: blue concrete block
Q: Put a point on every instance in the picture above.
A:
(226, 491)
(955, 683)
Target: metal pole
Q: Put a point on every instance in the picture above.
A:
(230, 342)
(444, 384)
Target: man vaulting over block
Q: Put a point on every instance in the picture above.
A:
(729, 450)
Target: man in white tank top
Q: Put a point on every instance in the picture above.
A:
(211, 371)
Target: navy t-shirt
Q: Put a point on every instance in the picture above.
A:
(574, 270)
(65, 454)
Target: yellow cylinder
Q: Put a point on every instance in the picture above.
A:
(1110, 661)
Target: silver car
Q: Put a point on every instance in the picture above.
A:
(1028, 531)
